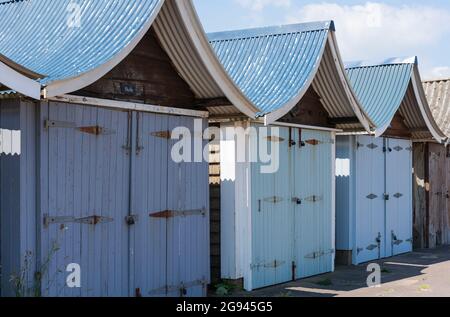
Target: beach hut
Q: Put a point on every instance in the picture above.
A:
(278, 225)
(92, 202)
(432, 174)
(374, 204)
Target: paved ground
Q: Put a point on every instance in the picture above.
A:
(424, 273)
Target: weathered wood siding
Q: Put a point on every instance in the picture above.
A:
(146, 75)
(431, 195)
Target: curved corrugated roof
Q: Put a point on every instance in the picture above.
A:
(393, 86)
(45, 36)
(275, 66)
(65, 39)
(438, 95)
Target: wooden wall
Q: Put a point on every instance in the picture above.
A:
(309, 111)
(146, 75)
(431, 195)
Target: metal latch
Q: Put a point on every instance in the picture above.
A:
(359, 250)
(91, 220)
(386, 197)
(297, 200)
(178, 213)
(131, 220)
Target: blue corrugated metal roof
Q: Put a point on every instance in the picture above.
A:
(381, 87)
(36, 33)
(272, 65)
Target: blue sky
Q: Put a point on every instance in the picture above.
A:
(370, 30)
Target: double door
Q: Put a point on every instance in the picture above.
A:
(293, 209)
(383, 192)
(114, 202)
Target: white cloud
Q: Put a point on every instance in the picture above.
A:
(376, 30)
(260, 5)
(439, 72)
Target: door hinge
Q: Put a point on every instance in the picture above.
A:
(372, 146)
(316, 255)
(178, 213)
(398, 195)
(372, 196)
(162, 134)
(94, 130)
(274, 139)
(273, 200)
(271, 265)
(372, 247)
(398, 148)
(313, 142)
(91, 220)
(313, 199)
(395, 240)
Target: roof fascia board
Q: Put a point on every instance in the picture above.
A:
(356, 105)
(16, 81)
(210, 60)
(424, 107)
(66, 86)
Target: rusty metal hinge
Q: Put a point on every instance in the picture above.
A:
(94, 130)
(162, 134)
(178, 213)
(91, 220)
(275, 139)
(313, 142)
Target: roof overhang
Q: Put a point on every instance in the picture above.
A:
(69, 85)
(319, 66)
(19, 79)
(327, 78)
(392, 87)
(183, 37)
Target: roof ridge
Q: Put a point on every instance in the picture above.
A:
(389, 61)
(271, 30)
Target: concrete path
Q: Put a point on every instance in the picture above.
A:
(425, 273)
